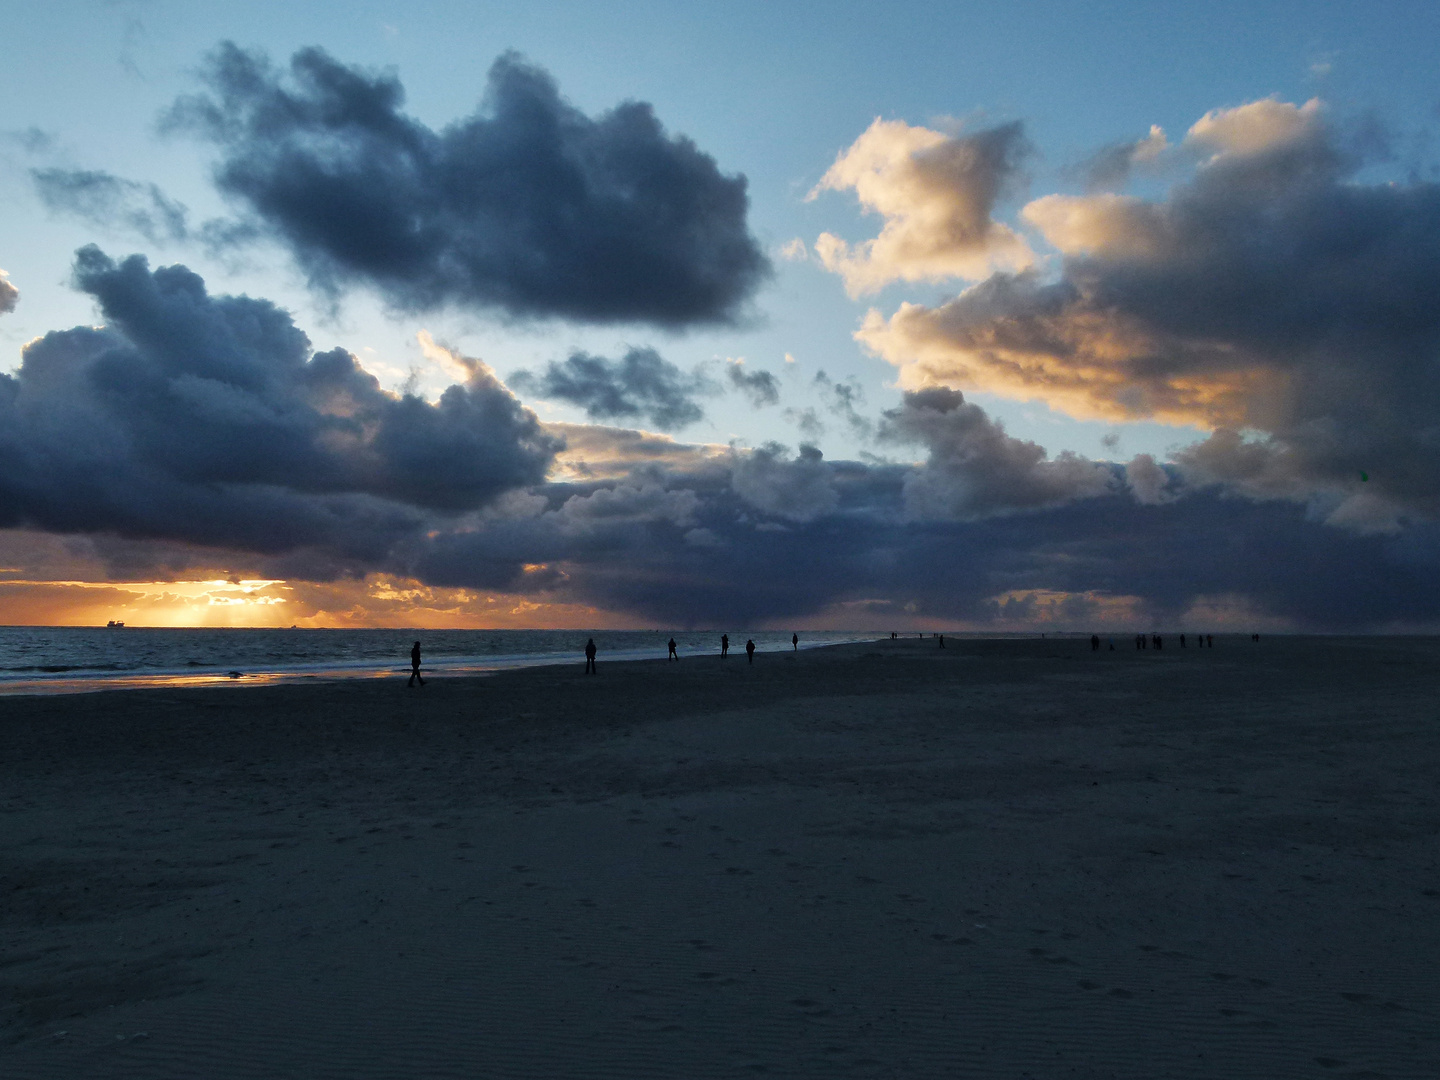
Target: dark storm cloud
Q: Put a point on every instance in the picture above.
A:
(759, 387)
(528, 206)
(799, 489)
(190, 419)
(641, 385)
(974, 468)
(1271, 292)
(208, 419)
(107, 201)
(765, 535)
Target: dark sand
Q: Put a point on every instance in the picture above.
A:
(1008, 859)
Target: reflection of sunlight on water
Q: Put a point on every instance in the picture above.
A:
(92, 684)
(51, 661)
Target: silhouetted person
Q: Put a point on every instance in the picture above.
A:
(415, 665)
(1094, 642)
(942, 640)
(1182, 641)
(750, 650)
(1159, 642)
(724, 646)
(795, 642)
(673, 654)
(590, 657)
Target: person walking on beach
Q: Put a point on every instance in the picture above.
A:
(415, 665)
(724, 646)
(1094, 642)
(590, 657)
(673, 654)
(795, 642)
(942, 640)
(750, 650)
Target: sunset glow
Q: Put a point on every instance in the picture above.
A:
(406, 323)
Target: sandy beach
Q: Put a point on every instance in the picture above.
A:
(1004, 859)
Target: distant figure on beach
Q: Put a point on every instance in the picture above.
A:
(590, 657)
(415, 665)
(1094, 642)
(724, 646)
(942, 640)
(1159, 642)
(673, 654)
(750, 650)
(795, 642)
(1182, 641)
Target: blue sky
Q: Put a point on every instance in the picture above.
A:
(773, 92)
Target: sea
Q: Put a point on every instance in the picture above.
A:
(48, 660)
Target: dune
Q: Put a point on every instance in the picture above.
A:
(1003, 859)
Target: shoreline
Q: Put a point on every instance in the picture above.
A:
(477, 667)
(216, 678)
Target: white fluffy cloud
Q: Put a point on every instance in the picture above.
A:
(936, 193)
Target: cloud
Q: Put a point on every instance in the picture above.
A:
(1270, 291)
(1148, 481)
(936, 194)
(807, 420)
(103, 200)
(974, 468)
(528, 206)
(1111, 166)
(9, 295)
(760, 387)
(630, 527)
(32, 140)
(798, 489)
(199, 431)
(641, 385)
(208, 419)
(794, 250)
(840, 400)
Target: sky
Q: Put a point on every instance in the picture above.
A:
(907, 316)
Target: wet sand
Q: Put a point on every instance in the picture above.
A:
(1005, 859)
